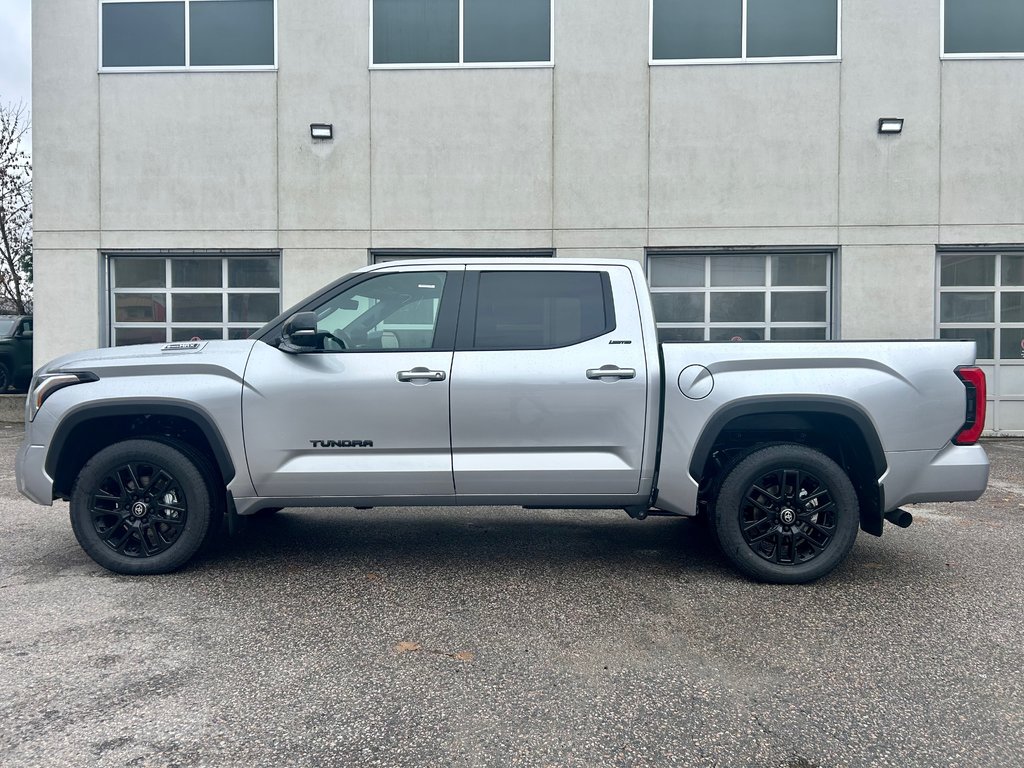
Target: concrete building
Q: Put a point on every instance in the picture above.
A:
(732, 146)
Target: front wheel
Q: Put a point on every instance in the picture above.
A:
(141, 507)
(786, 514)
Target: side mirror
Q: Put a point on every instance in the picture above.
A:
(300, 332)
(25, 335)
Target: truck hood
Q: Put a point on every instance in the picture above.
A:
(220, 357)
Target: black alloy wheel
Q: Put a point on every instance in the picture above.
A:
(786, 514)
(144, 506)
(139, 509)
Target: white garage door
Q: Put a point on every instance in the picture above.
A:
(981, 297)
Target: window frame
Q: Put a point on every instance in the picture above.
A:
(943, 56)
(188, 53)
(766, 288)
(461, 63)
(111, 325)
(743, 58)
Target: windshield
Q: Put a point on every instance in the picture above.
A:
(6, 324)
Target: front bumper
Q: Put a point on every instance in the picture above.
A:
(30, 471)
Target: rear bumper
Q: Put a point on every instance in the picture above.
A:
(30, 471)
(955, 473)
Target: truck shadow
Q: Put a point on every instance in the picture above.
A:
(459, 537)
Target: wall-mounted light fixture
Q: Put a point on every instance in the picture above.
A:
(890, 125)
(321, 130)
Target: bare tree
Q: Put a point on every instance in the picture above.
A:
(15, 211)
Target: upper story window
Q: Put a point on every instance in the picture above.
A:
(187, 34)
(982, 28)
(453, 33)
(717, 31)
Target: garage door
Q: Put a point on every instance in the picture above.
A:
(981, 297)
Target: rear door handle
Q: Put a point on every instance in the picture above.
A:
(421, 374)
(611, 372)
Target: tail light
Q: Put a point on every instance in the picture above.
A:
(974, 381)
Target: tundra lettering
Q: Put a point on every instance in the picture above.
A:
(341, 443)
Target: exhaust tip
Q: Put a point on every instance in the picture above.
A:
(900, 517)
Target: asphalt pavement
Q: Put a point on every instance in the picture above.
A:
(510, 637)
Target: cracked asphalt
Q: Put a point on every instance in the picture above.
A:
(507, 637)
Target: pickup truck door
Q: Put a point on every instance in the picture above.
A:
(549, 382)
(366, 415)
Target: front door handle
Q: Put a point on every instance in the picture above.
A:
(611, 372)
(421, 374)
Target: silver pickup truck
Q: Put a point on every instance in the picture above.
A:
(527, 382)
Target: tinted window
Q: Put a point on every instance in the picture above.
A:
(393, 311)
(792, 28)
(231, 32)
(144, 35)
(698, 29)
(499, 30)
(984, 26)
(415, 31)
(535, 310)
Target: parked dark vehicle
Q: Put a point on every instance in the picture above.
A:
(15, 351)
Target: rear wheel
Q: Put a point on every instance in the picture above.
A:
(5, 377)
(786, 514)
(142, 507)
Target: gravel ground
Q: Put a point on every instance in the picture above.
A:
(506, 637)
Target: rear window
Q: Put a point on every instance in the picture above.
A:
(541, 310)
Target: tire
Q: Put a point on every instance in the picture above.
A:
(5, 378)
(786, 514)
(143, 507)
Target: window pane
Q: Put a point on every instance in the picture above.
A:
(140, 308)
(967, 308)
(678, 307)
(792, 28)
(737, 270)
(698, 29)
(241, 333)
(737, 308)
(984, 337)
(252, 307)
(676, 271)
(196, 273)
(1011, 344)
(800, 269)
(737, 334)
(499, 30)
(415, 31)
(224, 33)
(798, 307)
(144, 34)
(394, 311)
(1013, 270)
(680, 334)
(124, 336)
(984, 26)
(528, 310)
(253, 273)
(798, 334)
(969, 269)
(188, 334)
(139, 273)
(1012, 310)
(197, 307)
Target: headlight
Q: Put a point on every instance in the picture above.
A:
(46, 384)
